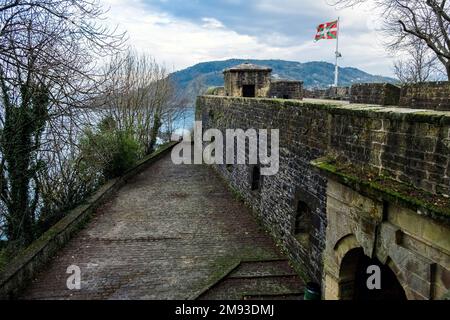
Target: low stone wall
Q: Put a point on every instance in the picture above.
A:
(339, 93)
(216, 91)
(410, 146)
(315, 93)
(286, 89)
(375, 93)
(429, 95)
(22, 269)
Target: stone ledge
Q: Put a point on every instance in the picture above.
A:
(21, 270)
(216, 280)
(363, 110)
(376, 190)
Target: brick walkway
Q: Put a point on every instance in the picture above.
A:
(166, 235)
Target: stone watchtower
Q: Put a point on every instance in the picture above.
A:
(247, 80)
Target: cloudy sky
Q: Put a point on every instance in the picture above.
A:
(181, 33)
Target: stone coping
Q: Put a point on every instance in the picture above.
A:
(248, 67)
(27, 263)
(427, 84)
(382, 193)
(363, 110)
(276, 80)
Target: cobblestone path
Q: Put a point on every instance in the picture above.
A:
(167, 234)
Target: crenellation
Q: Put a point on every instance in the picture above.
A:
(429, 95)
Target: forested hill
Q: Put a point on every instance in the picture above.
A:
(314, 74)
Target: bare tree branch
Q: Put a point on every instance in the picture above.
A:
(407, 21)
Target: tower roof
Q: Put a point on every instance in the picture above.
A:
(248, 67)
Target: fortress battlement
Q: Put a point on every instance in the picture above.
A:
(357, 182)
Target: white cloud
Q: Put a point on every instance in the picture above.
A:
(212, 23)
(288, 7)
(181, 43)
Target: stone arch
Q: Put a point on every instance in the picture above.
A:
(400, 277)
(344, 245)
(347, 271)
(352, 275)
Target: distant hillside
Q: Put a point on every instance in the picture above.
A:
(314, 74)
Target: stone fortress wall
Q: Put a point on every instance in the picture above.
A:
(356, 182)
(286, 89)
(429, 95)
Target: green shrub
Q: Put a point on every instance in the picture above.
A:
(127, 153)
(109, 151)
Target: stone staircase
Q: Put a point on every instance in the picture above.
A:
(257, 280)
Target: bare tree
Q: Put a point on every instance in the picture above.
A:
(174, 115)
(420, 66)
(48, 50)
(409, 21)
(139, 95)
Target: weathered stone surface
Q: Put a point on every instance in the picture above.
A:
(413, 246)
(286, 89)
(332, 93)
(247, 74)
(428, 95)
(167, 234)
(426, 229)
(375, 93)
(273, 279)
(216, 91)
(406, 145)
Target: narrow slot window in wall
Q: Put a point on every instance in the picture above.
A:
(256, 178)
(303, 221)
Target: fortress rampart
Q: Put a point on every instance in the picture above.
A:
(355, 182)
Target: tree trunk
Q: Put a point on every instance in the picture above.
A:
(16, 144)
(21, 124)
(447, 67)
(154, 134)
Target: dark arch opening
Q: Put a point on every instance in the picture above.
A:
(249, 91)
(353, 279)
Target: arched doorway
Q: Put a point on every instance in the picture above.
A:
(353, 279)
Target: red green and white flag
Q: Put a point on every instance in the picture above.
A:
(328, 30)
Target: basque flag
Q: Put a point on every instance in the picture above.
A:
(327, 30)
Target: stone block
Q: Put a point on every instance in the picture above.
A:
(375, 93)
(427, 95)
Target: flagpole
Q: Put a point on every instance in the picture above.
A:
(336, 71)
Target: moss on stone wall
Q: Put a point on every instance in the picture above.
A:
(370, 182)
